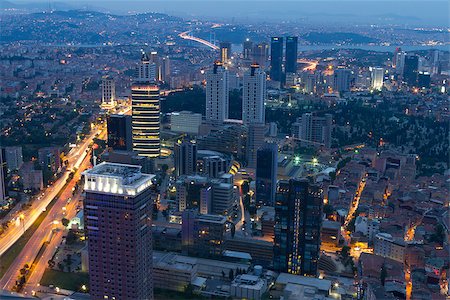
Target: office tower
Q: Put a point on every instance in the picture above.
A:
(395, 56)
(424, 80)
(312, 130)
(217, 93)
(13, 157)
(266, 174)
(225, 52)
(377, 78)
(2, 177)
(255, 140)
(108, 91)
(298, 222)
(118, 209)
(435, 68)
(146, 69)
(213, 164)
(342, 80)
(194, 192)
(410, 69)
(130, 158)
(165, 69)
(119, 132)
(276, 59)
(50, 159)
(254, 96)
(260, 53)
(185, 157)
(400, 62)
(247, 49)
(310, 83)
(291, 54)
(202, 234)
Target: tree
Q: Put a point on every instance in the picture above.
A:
(383, 274)
(65, 222)
(231, 275)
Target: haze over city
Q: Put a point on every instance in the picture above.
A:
(224, 150)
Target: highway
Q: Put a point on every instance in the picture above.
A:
(185, 35)
(75, 157)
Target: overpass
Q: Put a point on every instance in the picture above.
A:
(185, 35)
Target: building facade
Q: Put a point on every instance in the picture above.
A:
(118, 210)
(254, 96)
(185, 157)
(119, 132)
(276, 59)
(217, 93)
(266, 174)
(377, 78)
(298, 223)
(313, 130)
(291, 54)
(108, 91)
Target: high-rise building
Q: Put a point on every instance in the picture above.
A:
(247, 49)
(255, 141)
(145, 104)
(260, 53)
(13, 157)
(313, 130)
(400, 62)
(119, 132)
(276, 59)
(2, 176)
(225, 52)
(185, 122)
(164, 69)
(298, 222)
(291, 54)
(395, 56)
(185, 157)
(342, 80)
(217, 93)
(377, 78)
(108, 91)
(222, 199)
(146, 69)
(194, 192)
(424, 80)
(266, 174)
(254, 96)
(118, 210)
(410, 69)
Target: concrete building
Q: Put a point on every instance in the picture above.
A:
(387, 246)
(255, 141)
(185, 122)
(118, 210)
(291, 54)
(108, 91)
(13, 157)
(254, 96)
(225, 52)
(213, 164)
(266, 174)
(368, 227)
(247, 286)
(342, 80)
(276, 59)
(170, 272)
(130, 158)
(194, 192)
(146, 69)
(222, 197)
(312, 130)
(31, 179)
(217, 93)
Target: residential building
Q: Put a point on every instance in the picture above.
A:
(13, 157)
(194, 192)
(217, 93)
(108, 91)
(387, 246)
(342, 80)
(225, 52)
(312, 130)
(254, 96)
(185, 157)
(118, 210)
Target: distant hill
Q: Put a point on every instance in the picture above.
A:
(337, 38)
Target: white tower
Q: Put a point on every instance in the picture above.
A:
(217, 91)
(254, 95)
(108, 91)
(377, 77)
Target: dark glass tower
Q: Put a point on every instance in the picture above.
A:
(410, 69)
(118, 210)
(298, 220)
(119, 132)
(266, 174)
(291, 54)
(276, 58)
(185, 157)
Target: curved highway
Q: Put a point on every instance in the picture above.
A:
(185, 35)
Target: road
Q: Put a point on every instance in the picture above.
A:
(353, 207)
(311, 64)
(75, 157)
(56, 213)
(185, 35)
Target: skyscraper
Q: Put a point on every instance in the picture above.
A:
(377, 78)
(254, 95)
(291, 54)
(298, 221)
(145, 112)
(342, 80)
(400, 61)
(108, 91)
(276, 59)
(255, 140)
(266, 174)
(119, 132)
(260, 53)
(118, 210)
(185, 157)
(247, 49)
(146, 69)
(217, 93)
(424, 80)
(225, 52)
(395, 56)
(410, 69)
